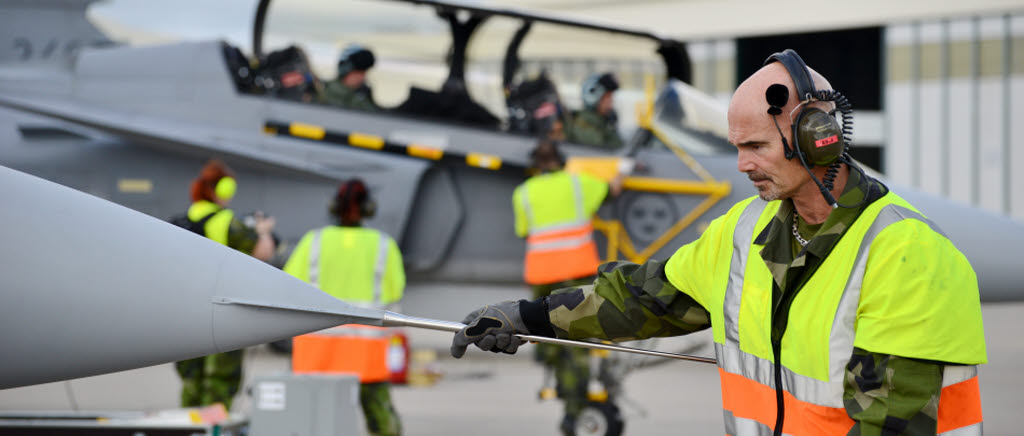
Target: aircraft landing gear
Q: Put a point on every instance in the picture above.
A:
(599, 419)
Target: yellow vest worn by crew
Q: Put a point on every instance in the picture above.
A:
(362, 267)
(216, 227)
(553, 211)
(894, 284)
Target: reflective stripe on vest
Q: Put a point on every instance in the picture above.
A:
(813, 406)
(379, 268)
(560, 251)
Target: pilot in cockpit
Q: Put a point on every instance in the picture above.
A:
(596, 124)
(350, 90)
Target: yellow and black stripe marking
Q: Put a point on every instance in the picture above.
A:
(377, 143)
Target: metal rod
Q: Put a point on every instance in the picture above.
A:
(392, 319)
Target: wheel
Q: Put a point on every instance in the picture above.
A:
(599, 419)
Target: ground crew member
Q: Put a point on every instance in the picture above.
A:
(862, 319)
(216, 378)
(553, 211)
(350, 90)
(596, 124)
(363, 267)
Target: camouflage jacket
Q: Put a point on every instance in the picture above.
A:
(590, 128)
(885, 394)
(337, 94)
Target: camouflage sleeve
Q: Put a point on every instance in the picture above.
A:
(892, 395)
(240, 237)
(627, 301)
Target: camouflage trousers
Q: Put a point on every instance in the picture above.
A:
(571, 365)
(380, 414)
(210, 379)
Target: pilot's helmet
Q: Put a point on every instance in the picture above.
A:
(596, 86)
(355, 58)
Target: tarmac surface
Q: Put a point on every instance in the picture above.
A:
(496, 395)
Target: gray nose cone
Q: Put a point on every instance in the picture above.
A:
(994, 244)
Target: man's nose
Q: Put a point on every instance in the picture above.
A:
(744, 163)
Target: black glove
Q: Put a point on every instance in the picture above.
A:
(491, 328)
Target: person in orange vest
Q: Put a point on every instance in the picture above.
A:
(363, 267)
(216, 378)
(836, 307)
(553, 211)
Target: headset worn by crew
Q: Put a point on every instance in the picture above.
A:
(553, 211)
(360, 266)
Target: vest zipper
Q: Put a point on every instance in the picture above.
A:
(780, 405)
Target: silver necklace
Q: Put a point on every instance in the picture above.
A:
(796, 233)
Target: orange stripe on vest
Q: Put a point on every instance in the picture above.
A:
(748, 399)
(552, 265)
(959, 405)
(363, 356)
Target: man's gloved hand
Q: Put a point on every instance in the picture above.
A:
(491, 328)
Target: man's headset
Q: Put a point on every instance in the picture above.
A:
(351, 191)
(225, 188)
(817, 137)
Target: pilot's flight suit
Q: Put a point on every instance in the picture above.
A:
(591, 128)
(337, 94)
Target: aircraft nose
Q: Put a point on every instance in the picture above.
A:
(994, 244)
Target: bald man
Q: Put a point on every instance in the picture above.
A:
(837, 308)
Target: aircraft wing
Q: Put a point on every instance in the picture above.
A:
(176, 135)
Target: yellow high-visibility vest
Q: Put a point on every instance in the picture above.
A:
(893, 284)
(553, 211)
(216, 228)
(362, 267)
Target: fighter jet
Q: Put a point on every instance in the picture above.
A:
(134, 124)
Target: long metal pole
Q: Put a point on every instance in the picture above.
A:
(393, 319)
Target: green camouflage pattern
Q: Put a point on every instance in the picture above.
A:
(626, 302)
(892, 395)
(570, 365)
(884, 394)
(337, 94)
(241, 237)
(210, 379)
(590, 128)
(381, 416)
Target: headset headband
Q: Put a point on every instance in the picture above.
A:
(798, 71)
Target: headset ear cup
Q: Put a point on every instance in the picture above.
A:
(368, 207)
(225, 188)
(818, 137)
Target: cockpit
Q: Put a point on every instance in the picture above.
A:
(490, 75)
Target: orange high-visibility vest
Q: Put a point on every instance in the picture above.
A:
(868, 293)
(353, 349)
(362, 267)
(554, 212)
